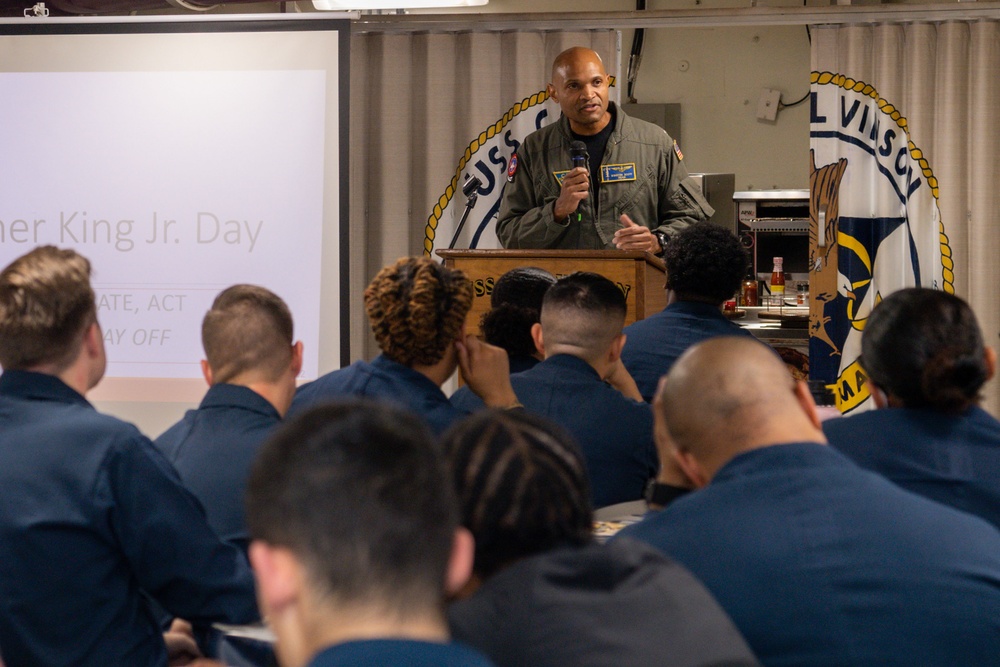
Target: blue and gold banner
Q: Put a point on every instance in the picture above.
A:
(875, 225)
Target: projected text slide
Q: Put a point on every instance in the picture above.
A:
(175, 185)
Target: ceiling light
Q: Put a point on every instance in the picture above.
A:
(346, 5)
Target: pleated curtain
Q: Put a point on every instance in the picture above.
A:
(417, 102)
(942, 77)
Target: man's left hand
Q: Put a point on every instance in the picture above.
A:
(635, 237)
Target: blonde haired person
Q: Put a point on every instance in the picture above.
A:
(250, 365)
(91, 515)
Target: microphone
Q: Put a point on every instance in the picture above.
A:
(578, 154)
(580, 158)
(471, 185)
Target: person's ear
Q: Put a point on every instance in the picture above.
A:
(806, 402)
(536, 335)
(93, 340)
(297, 351)
(279, 576)
(93, 352)
(553, 93)
(615, 350)
(691, 468)
(990, 360)
(463, 553)
(206, 372)
(879, 397)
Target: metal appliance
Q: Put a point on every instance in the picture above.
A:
(775, 223)
(718, 190)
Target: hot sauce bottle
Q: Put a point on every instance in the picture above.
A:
(778, 281)
(750, 291)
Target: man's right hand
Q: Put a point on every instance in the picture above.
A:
(575, 188)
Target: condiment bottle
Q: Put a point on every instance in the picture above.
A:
(778, 281)
(749, 291)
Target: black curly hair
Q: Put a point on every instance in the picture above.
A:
(705, 262)
(516, 303)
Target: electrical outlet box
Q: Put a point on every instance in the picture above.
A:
(767, 105)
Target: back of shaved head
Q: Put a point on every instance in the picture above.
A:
(727, 395)
(583, 311)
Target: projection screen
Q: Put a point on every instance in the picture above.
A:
(181, 155)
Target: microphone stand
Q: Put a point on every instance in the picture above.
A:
(471, 190)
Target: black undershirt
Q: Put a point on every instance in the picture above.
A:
(596, 145)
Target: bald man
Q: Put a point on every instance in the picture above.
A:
(817, 561)
(633, 194)
(583, 386)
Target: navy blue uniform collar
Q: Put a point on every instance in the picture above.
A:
(974, 411)
(397, 651)
(39, 386)
(522, 362)
(384, 363)
(234, 396)
(568, 363)
(779, 459)
(696, 308)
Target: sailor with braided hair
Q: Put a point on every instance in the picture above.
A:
(522, 487)
(542, 591)
(417, 309)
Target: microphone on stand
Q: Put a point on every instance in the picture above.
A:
(471, 190)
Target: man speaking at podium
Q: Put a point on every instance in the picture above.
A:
(596, 178)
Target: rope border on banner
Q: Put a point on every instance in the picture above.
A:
(847, 83)
(430, 228)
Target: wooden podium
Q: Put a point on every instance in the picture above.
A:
(639, 275)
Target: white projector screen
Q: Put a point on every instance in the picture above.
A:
(181, 156)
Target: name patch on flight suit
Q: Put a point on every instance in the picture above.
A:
(613, 173)
(610, 173)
